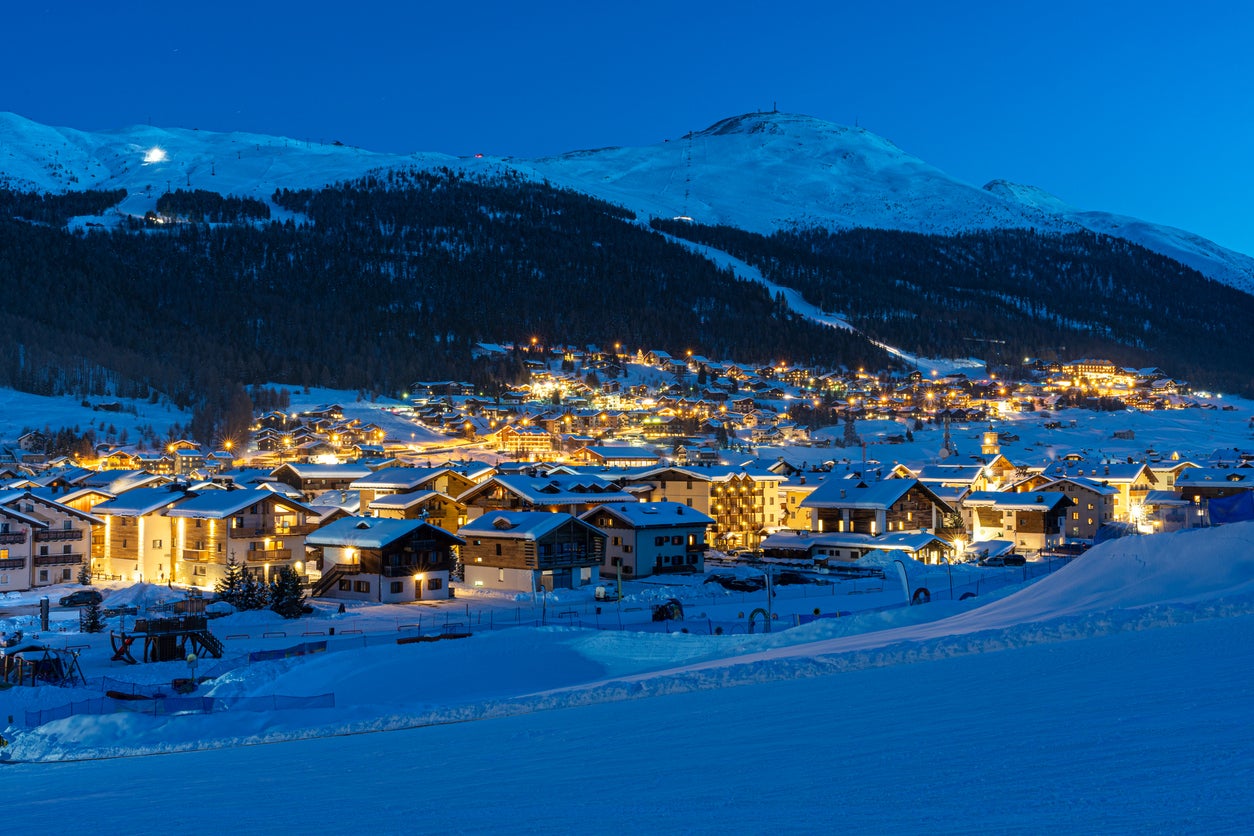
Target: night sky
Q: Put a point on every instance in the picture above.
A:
(1134, 108)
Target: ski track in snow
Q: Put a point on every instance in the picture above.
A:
(798, 305)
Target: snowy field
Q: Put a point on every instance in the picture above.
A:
(1109, 697)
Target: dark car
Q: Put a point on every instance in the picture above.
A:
(81, 598)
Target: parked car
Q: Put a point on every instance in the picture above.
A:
(1015, 560)
(81, 598)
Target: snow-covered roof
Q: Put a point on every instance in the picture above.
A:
(651, 514)
(397, 478)
(848, 493)
(1237, 477)
(325, 471)
(555, 489)
(716, 473)
(216, 505)
(140, 501)
(522, 525)
(613, 453)
(372, 532)
(401, 501)
(1026, 501)
(1083, 482)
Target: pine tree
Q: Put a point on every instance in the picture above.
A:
(91, 619)
(851, 432)
(253, 594)
(287, 598)
(84, 575)
(231, 584)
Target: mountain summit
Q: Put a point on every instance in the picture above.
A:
(767, 171)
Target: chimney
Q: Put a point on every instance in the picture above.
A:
(842, 493)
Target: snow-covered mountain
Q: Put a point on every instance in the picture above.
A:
(760, 172)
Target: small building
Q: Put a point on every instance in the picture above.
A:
(432, 506)
(646, 538)
(383, 560)
(610, 456)
(843, 505)
(62, 536)
(1030, 520)
(525, 551)
(1093, 506)
(534, 491)
(311, 479)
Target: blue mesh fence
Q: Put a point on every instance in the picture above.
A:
(165, 706)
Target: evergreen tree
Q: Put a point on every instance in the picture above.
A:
(851, 432)
(231, 586)
(91, 619)
(253, 595)
(287, 598)
(84, 575)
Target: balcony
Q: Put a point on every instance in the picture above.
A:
(11, 538)
(13, 563)
(247, 533)
(269, 555)
(57, 559)
(58, 535)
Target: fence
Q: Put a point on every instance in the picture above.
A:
(164, 706)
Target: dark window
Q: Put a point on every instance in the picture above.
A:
(435, 583)
(676, 540)
(361, 586)
(498, 548)
(397, 587)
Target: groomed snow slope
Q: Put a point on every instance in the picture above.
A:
(1109, 697)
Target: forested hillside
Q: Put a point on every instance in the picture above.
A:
(384, 281)
(1010, 294)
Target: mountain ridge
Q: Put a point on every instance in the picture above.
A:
(761, 172)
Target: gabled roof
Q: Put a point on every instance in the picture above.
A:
(857, 494)
(41, 495)
(521, 525)
(554, 489)
(1027, 501)
(1237, 477)
(1115, 472)
(718, 473)
(375, 532)
(1086, 483)
(217, 505)
(140, 501)
(613, 453)
(324, 471)
(401, 501)
(651, 514)
(398, 478)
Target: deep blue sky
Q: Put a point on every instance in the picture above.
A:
(1128, 107)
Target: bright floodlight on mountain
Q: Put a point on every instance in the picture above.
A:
(155, 154)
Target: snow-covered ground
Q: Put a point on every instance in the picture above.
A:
(1111, 696)
(21, 410)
